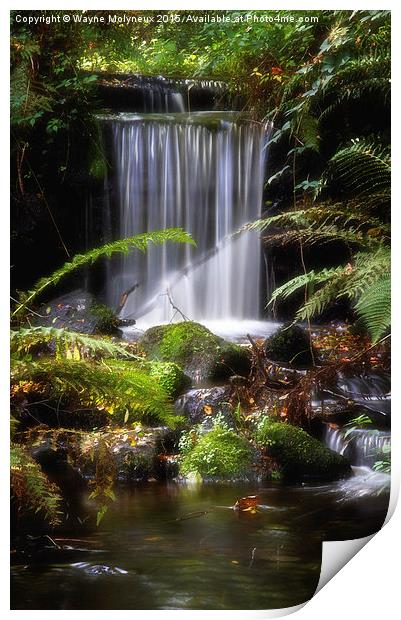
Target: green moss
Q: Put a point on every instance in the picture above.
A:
(291, 345)
(107, 321)
(196, 349)
(219, 453)
(178, 341)
(298, 454)
(170, 377)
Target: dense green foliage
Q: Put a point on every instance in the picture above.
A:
(220, 452)
(31, 490)
(322, 81)
(298, 454)
(126, 392)
(347, 196)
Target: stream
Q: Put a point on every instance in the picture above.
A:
(177, 546)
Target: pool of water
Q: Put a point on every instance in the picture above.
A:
(174, 546)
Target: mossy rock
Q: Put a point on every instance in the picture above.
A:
(219, 453)
(170, 376)
(200, 353)
(107, 321)
(298, 454)
(78, 311)
(291, 345)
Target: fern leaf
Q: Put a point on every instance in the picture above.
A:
(122, 246)
(310, 280)
(361, 168)
(30, 487)
(117, 390)
(374, 307)
(24, 339)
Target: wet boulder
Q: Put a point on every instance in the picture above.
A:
(203, 405)
(78, 311)
(130, 455)
(299, 455)
(201, 354)
(290, 346)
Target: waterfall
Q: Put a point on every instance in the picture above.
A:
(153, 94)
(362, 446)
(203, 172)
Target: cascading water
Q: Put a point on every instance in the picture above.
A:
(138, 93)
(203, 172)
(362, 446)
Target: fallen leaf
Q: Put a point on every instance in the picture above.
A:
(247, 504)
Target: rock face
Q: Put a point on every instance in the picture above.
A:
(201, 354)
(291, 346)
(198, 406)
(78, 311)
(299, 455)
(133, 454)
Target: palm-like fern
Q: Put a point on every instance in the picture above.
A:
(31, 489)
(122, 246)
(361, 168)
(125, 390)
(68, 344)
(361, 173)
(324, 222)
(366, 283)
(374, 306)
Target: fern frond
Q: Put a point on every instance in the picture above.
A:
(350, 281)
(122, 390)
(374, 307)
(324, 214)
(364, 78)
(122, 246)
(24, 339)
(367, 268)
(30, 487)
(322, 235)
(362, 168)
(323, 297)
(310, 280)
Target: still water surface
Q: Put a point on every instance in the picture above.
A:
(174, 546)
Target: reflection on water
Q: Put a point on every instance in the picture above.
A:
(145, 555)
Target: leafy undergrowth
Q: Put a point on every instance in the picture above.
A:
(220, 453)
(121, 390)
(31, 490)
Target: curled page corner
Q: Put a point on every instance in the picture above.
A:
(336, 554)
